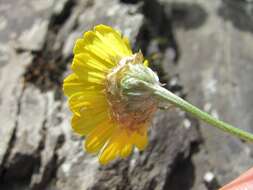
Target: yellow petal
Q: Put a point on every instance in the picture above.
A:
(118, 145)
(98, 136)
(72, 84)
(146, 63)
(126, 150)
(84, 124)
(104, 43)
(109, 154)
(87, 100)
(86, 45)
(96, 46)
(89, 62)
(140, 139)
(88, 76)
(125, 144)
(79, 46)
(111, 150)
(113, 39)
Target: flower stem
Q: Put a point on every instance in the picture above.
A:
(171, 98)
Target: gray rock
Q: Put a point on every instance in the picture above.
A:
(53, 140)
(16, 17)
(28, 135)
(39, 150)
(33, 39)
(19, 16)
(59, 6)
(11, 86)
(216, 68)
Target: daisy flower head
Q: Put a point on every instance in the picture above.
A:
(106, 93)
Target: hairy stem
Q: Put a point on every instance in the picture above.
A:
(167, 96)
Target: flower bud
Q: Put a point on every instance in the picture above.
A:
(132, 103)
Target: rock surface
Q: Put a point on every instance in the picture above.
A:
(201, 50)
(215, 68)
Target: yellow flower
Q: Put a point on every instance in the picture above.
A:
(113, 119)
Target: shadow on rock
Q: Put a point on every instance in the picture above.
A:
(156, 37)
(163, 18)
(187, 15)
(239, 12)
(183, 175)
(130, 1)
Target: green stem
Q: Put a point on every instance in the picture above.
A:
(169, 97)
